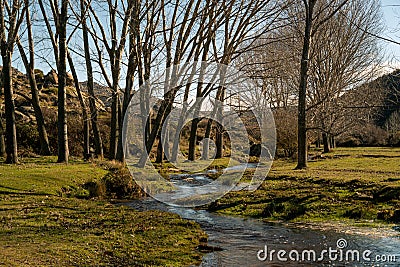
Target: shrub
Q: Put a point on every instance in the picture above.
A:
(286, 132)
(28, 138)
(119, 182)
(394, 139)
(39, 75)
(96, 189)
(366, 135)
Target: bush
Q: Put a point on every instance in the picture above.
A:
(28, 138)
(368, 135)
(119, 182)
(394, 139)
(39, 75)
(96, 189)
(286, 132)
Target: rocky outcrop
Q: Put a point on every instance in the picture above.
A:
(47, 85)
(51, 79)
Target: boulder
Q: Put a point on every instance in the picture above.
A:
(51, 78)
(70, 79)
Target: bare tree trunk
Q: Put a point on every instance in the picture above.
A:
(195, 121)
(85, 117)
(302, 125)
(160, 151)
(175, 145)
(193, 139)
(7, 44)
(219, 135)
(30, 71)
(325, 141)
(98, 143)
(11, 132)
(206, 140)
(63, 151)
(332, 141)
(167, 151)
(160, 148)
(2, 143)
(219, 151)
(114, 125)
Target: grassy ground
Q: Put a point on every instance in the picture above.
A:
(41, 226)
(353, 185)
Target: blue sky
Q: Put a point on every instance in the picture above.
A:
(391, 16)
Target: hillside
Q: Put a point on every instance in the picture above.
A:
(388, 115)
(375, 111)
(47, 84)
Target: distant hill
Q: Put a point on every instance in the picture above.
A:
(390, 110)
(378, 105)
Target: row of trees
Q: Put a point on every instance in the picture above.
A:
(306, 53)
(340, 52)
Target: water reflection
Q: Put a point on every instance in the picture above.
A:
(241, 239)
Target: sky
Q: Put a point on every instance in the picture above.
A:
(391, 20)
(391, 17)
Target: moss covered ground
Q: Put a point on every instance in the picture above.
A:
(47, 220)
(353, 185)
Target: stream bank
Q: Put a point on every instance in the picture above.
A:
(239, 240)
(244, 241)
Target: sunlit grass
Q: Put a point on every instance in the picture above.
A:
(349, 184)
(39, 226)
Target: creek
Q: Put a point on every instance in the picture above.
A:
(243, 241)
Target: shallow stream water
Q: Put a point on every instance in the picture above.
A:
(243, 242)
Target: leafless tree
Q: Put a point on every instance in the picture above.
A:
(11, 18)
(240, 25)
(59, 44)
(341, 61)
(119, 13)
(178, 33)
(317, 13)
(143, 29)
(30, 71)
(98, 143)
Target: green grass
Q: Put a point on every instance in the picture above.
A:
(354, 185)
(198, 166)
(40, 226)
(43, 176)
